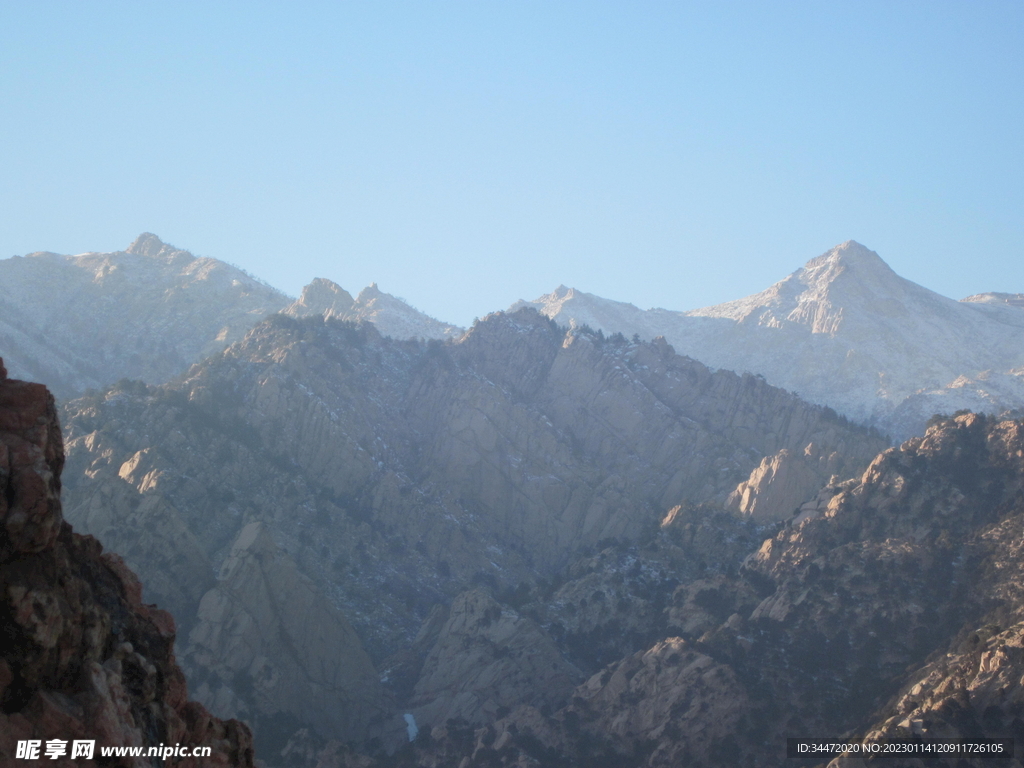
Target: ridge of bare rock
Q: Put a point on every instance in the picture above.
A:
(392, 316)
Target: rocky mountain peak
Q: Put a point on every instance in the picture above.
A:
(148, 244)
(322, 296)
(370, 292)
(849, 263)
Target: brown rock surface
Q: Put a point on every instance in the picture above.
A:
(782, 482)
(82, 657)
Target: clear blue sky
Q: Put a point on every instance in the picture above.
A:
(465, 155)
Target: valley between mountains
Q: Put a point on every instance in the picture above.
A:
(557, 538)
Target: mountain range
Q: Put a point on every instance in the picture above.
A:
(844, 331)
(150, 311)
(547, 540)
(382, 478)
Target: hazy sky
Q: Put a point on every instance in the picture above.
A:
(465, 155)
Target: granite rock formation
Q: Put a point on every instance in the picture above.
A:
(266, 629)
(487, 658)
(82, 657)
(392, 316)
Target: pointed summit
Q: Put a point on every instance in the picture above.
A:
(322, 297)
(150, 246)
(369, 293)
(147, 244)
(850, 255)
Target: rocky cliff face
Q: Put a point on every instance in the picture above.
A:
(486, 659)
(82, 657)
(397, 475)
(844, 331)
(266, 630)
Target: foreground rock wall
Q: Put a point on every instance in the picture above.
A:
(81, 657)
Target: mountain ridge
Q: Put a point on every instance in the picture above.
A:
(152, 310)
(846, 331)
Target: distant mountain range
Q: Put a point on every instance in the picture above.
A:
(151, 311)
(844, 331)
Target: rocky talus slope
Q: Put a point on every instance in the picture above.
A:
(392, 476)
(844, 331)
(82, 657)
(892, 609)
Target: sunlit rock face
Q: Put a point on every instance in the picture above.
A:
(844, 331)
(82, 657)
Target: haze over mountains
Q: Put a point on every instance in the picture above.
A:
(844, 331)
(543, 541)
(151, 311)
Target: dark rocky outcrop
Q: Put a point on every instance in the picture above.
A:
(81, 657)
